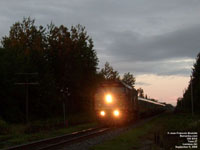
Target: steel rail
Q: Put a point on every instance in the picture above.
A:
(75, 139)
(50, 142)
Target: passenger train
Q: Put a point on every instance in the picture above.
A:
(116, 102)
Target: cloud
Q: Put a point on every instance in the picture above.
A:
(142, 84)
(181, 67)
(172, 53)
(181, 43)
(139, 36)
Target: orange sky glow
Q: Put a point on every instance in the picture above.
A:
(163, 88)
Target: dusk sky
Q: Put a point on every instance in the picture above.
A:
(156, 40)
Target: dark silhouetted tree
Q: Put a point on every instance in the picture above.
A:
(184, 104)
(65, 61)
(109, 73)
(129, 79)
(140, 92)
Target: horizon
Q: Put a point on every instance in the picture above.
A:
(157, 41)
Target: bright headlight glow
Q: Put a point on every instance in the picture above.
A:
(102, 113)
(109, 98)
(116, 113)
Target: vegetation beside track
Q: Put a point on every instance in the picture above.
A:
(153, 134)
(15, 134)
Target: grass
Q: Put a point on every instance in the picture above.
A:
(143, 137)
(21, 134)
(15, 139)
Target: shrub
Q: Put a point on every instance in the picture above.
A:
(4, 129)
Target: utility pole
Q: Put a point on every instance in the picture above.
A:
(192, 103)
(65, 92)
(27, 84)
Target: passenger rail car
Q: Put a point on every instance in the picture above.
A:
(147, 107)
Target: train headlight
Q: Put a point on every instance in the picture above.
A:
(116, 113)
(102, 113)
(108, 98)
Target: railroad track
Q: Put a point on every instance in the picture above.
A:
(52, 143)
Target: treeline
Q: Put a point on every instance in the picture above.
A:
(62, 61)
(48, 68)
(192, 93)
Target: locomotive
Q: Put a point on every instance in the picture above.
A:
(116, 103)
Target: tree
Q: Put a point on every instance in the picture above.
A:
(66, 63)
(129, 79)
(75, 63)
(193, 90)
(140, 92)
(195, 83)
(25, 36)
(109, 73)
(24, 53)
